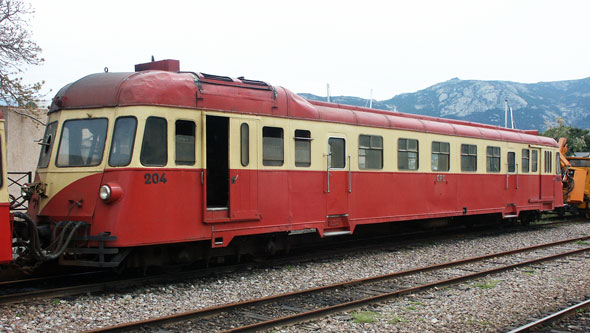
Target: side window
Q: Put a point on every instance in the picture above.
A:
(154, 147)
(493, 159)
(370, 152)
(272, 146)
(534, 161)
(123, 139)
(337, 154)
(511, 161)
(302, 148)
(440, 156)
(185, 142)
(468, 157)
(557, 164)
(548, 162)
(525, 160)
(245, 144)
(407, 154)
(47, 145)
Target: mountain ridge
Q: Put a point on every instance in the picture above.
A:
(535, 105)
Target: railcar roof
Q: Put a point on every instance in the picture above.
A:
(220, 93)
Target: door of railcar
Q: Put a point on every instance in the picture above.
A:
(337, 181)
(546, 175)
(512, 181)
(217, 167)
(536, 171)
(243, 174)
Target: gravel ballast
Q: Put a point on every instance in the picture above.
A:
(495, 303)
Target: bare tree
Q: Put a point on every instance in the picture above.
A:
(17, 49)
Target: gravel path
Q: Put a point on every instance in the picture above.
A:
(495, 303)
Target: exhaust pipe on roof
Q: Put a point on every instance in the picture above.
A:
(169, 65)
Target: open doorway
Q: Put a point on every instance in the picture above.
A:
(217, 162)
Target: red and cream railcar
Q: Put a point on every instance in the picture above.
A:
(5, 219)
(160, 156)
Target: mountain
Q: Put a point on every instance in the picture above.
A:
(348, 100)
(533, 104)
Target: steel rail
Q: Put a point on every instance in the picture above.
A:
(185, 316)
(553, 317)
(112, 285)
(9, 283)
(122, 283)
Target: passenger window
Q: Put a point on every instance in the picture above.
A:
(511, 161)
(185, 142)
(123, 139)
(370, 152)
(493, 159)
(440, 156)
(407, 154)
(557, 164)
(245, 144)
(272, 146)
(548, 162)
(468, 157)
(337, 154)
(525, 160)
(154, 148)
(534, 160)
(302, 148)
(47, 145)
(82, 143)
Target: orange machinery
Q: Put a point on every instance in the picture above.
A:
(576, 179)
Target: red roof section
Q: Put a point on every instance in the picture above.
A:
(210, 92)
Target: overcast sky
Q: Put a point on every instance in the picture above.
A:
(391, 47)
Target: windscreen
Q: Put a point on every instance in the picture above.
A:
(580, 163)
(82, 143)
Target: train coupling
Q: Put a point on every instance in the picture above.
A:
(30, 189)
(39, 243)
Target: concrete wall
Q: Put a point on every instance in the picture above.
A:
(23, 128)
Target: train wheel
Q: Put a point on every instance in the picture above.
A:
(560, 211)
(526, 218)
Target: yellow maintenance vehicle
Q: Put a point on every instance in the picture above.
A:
(576, 181)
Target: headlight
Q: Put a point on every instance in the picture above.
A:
(24, 191)
(110, 192)
(105, 192)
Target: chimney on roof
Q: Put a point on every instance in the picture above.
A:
(169, 65)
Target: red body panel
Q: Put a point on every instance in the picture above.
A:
(150, 213)
(243, 193)
(270, 201)
(75, 203)
(5, 234)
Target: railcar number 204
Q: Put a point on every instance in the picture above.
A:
(155, 178)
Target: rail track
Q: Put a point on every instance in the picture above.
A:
(552, 318)
(103, 281)
(289, 308)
